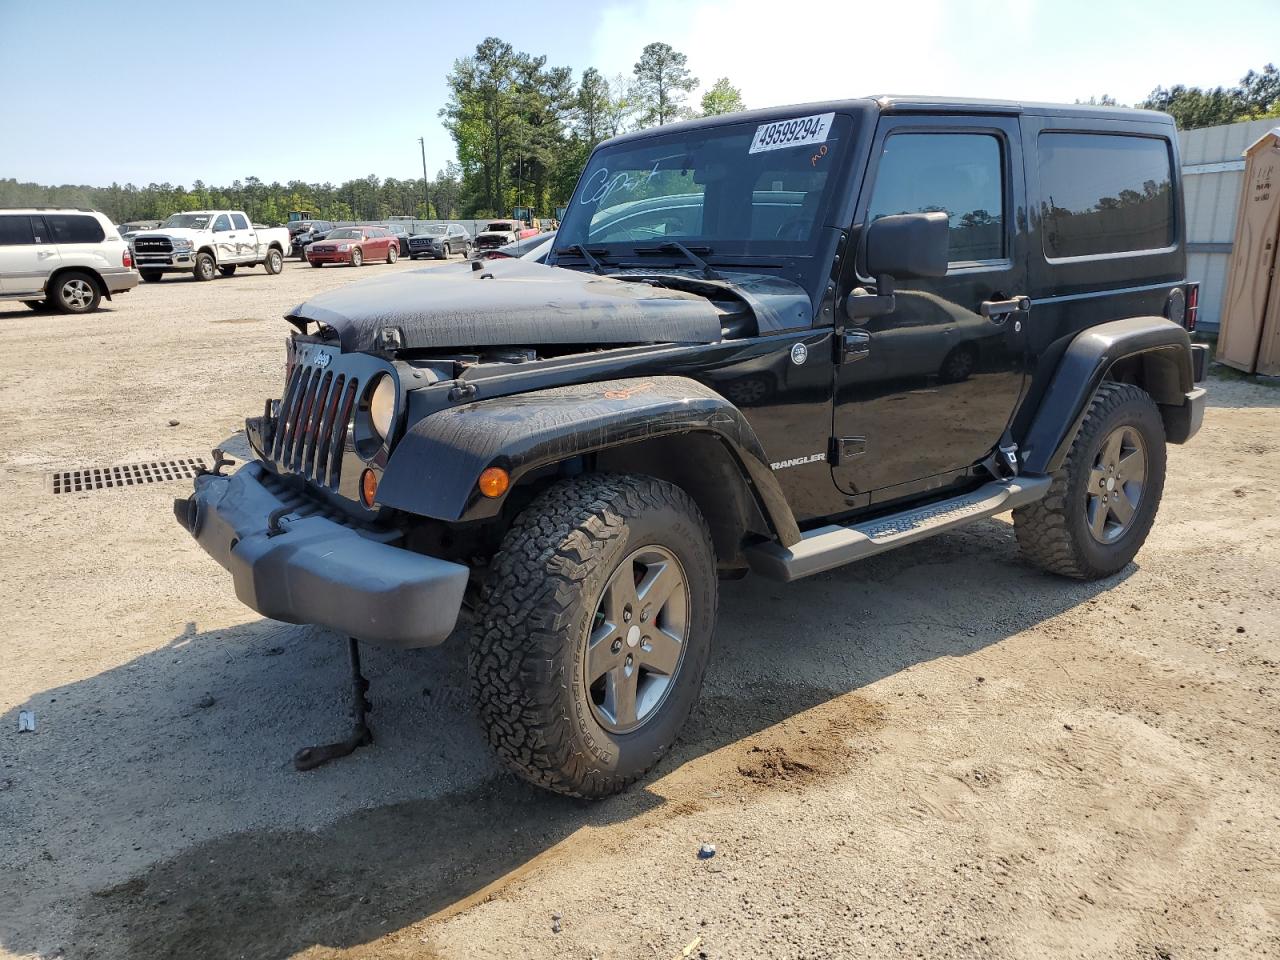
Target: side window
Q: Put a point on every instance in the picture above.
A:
(960, 174)
(15, 231)
(222, 223)
(1104, 193)
(240, 222)
(74, 228)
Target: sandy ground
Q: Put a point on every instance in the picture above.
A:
(939, 752)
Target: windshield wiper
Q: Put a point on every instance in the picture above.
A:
(707, 270)
(580, 250)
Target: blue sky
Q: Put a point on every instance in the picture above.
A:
(142, 92)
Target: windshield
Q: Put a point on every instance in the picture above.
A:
(500, 226)
(345, 234)
(189, 221)
(299, 226)
(433, 231)
(738, 190)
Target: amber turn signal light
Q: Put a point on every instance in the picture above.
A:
(494, 482)
(368, 487)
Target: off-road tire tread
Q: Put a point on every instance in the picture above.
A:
(529, 597)
(1041, 527)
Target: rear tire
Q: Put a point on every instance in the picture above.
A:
(228, 271)
(274, 262)
(551, 649)
(1104, 498)
(205, 267)
(75, 292)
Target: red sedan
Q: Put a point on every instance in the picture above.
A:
(354, 245)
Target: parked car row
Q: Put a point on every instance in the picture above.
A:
(70, 260)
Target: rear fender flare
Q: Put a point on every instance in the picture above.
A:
(435, 466)
(1153, 350)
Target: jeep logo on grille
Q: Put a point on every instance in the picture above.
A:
(322, 360)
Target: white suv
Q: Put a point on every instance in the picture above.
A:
(60, 259)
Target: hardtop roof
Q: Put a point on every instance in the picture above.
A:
(890, 104)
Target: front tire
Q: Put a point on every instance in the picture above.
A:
(316, 263)
(393, 254)
(152, 276)
(593, 631)
(357, 257)
(205, 267)
(76, 292)
(1103, 500)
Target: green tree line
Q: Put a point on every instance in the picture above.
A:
(1255, 97)
(366, 199)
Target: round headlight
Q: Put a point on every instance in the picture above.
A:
(382, 405)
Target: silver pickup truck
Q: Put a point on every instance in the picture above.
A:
(207, 242)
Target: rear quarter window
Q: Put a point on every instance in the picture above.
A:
(1105, 194)
(74, 228)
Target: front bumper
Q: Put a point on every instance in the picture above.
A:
(337, 256)
(165, 261)
(314, 570)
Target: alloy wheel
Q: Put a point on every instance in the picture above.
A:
(1116, 483)
(638, 639)
(77, 294)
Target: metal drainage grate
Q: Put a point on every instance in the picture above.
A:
(129, 475)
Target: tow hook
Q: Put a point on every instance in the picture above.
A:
(220, 460)
(273, 521)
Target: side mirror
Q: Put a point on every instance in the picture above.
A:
(909, 245)
(906, 245)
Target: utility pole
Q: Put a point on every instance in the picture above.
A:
(426, 194)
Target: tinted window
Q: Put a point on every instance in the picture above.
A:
(74, 228)
(1104, 194)
(222, 223)
(240, 222)
(15, 230)
(960, 174)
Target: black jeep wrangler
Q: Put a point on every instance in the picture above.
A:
(775, 341)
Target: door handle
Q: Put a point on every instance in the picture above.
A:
(855, 345)
(999, 310)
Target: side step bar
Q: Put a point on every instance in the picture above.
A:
(829, 547)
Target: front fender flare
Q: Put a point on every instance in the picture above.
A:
(1086, 363)
(435, 466)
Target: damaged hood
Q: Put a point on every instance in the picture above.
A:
(507, 303)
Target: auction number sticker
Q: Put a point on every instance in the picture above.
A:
(799, 132)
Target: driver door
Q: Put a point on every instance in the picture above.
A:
(224, 240)
(925, 392)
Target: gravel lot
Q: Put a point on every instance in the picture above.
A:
(939, 752)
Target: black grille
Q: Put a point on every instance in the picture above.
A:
(311, 428)
(153, 245)
(486, 243)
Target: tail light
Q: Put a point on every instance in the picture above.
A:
(127, 260)
(1193, 304)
